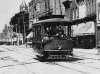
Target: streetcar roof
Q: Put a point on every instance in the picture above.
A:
(59, 20)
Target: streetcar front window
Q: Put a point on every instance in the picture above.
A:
(57, 30)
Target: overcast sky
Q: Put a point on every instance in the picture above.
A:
(7, 9)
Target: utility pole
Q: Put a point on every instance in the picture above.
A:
(16, 34)
(11, 28)
(24, 30)
(19, 31)
(19, 34)
(97, 26)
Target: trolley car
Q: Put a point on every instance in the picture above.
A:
(52, 38)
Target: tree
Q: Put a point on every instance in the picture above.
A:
(5, 31)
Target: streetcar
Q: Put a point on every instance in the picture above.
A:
(52, 38)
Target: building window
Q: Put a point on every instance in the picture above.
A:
(91, 7)
(37, 7)
(82, 11)
(77, 13)
(73, 14)
(80, 2)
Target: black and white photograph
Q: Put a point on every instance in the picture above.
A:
(49, 36)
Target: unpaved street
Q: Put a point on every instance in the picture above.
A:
(22, 60)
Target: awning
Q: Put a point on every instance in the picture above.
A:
(84, 29)
(85, 19)
(30, 35)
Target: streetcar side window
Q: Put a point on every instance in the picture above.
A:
(37, 31)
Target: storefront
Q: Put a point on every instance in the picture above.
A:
(84, 33)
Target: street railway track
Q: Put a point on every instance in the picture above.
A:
(20, 64)
(17, 64)
(82, 56)
(86, 53)
(74, 63)
(56, 63)
(81, 64)
(87, 66)
(16, 51)
(70, 68)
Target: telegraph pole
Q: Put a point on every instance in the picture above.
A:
(19, 31)
(97, 26)
(11, 28)
(19, 34)
(16, 34)
(24, 30)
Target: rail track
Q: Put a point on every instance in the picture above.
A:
(83, 55)
(57, 62)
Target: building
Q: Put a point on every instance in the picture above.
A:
(78, 9)
(43, 9)
(83, 14)
(30, 13)
(25, 22)
(23, 7)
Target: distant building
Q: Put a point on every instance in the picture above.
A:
(23, 7)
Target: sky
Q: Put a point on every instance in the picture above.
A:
(7, 10)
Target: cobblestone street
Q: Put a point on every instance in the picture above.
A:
(22, 60)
